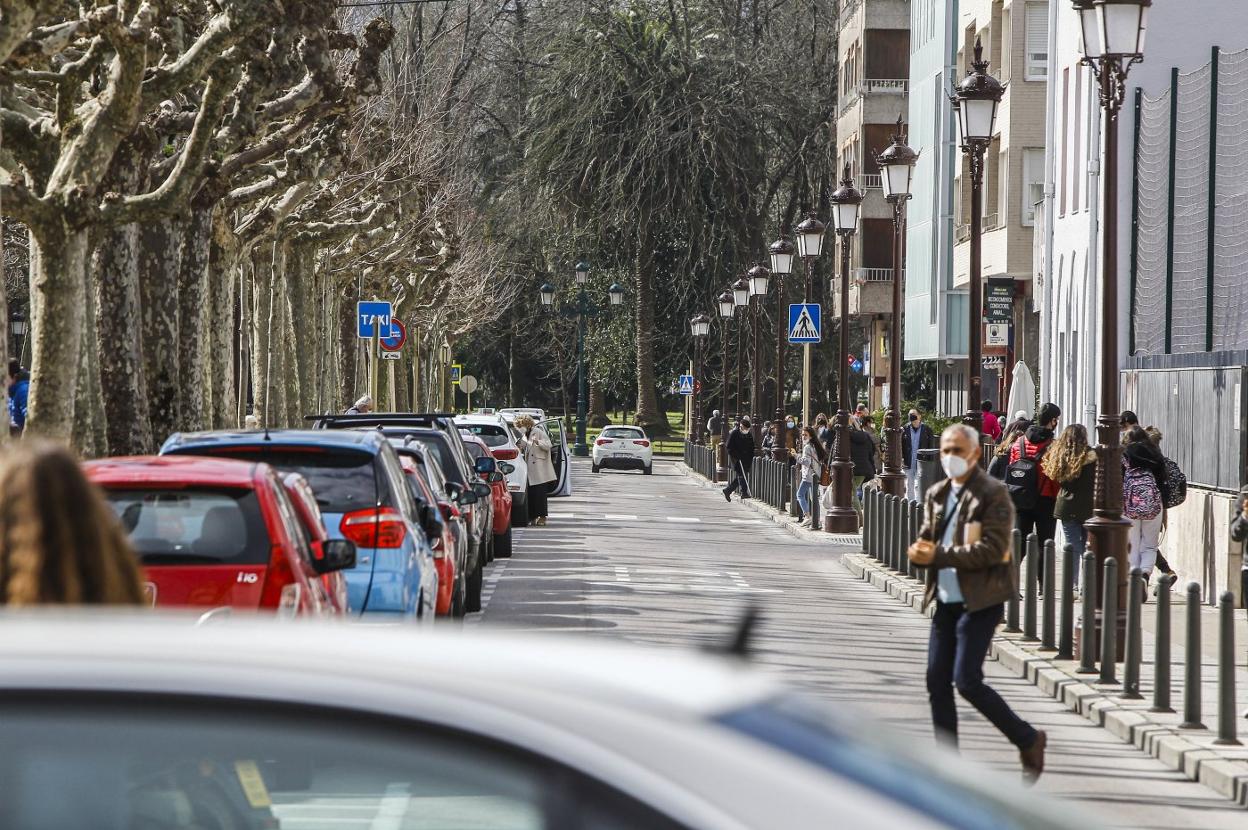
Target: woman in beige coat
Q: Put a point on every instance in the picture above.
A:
(536, 446)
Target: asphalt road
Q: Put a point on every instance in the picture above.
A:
(664, 560)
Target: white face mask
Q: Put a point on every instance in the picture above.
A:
(955, 466)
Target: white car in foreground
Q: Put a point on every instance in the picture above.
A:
(623, 448)
(117, 723)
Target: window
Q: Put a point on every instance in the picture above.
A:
(1033, 183)
(1076, 136)
(343, 479)
(184, 526)
(623, 432)
(1036, 42)
(1064, 138)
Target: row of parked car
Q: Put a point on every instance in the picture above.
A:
(389, 516)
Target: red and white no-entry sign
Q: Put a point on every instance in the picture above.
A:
(398, 336)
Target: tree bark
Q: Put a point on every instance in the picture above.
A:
(647, 406)
(597, 406)
(160, 262)
(223, 279)
(58, 267)
(194, 312)
(348, 345)
(261, 320)
(120, 343)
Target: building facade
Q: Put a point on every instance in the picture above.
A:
(874, 56)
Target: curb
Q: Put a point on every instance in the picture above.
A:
(1227, 777)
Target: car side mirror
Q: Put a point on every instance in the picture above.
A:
(481, 489)
(431, 521)
(506, 468)
(466, 498)
(484, 465)
(494, 477)
(336, 555)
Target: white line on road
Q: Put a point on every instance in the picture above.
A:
(620, 517)
(393, 808)
(746, 521)
(562, 515)
(683, 519)
(621, 574)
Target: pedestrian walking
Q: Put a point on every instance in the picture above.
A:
(713, 425)
(862, 451)
(18, 385)
(1143, 479)
(769, 437)
(537, 447)
(741, 457)
(917, 436)
(810, 464)
(1126, 421)
(1034, 493)
(992, 426)
(61, 543)
(361, 407)
(1173, 494)
(1072, 464)
(822, 431)
(1239, 532)
(964, 544)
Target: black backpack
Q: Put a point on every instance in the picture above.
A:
(1022, 477)
(1174, 491)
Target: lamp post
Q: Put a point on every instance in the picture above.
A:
(975, 102)
(700, 327)
(759, 279)
(17, 327)
(809, 246)
(842, 518)
(1113, 39)
(781, 266)
(727, 310)
(897, 165)
(741, 299)
(444, 352)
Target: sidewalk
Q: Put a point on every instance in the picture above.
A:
(1223, 768)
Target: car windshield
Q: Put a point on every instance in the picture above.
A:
(442, 451)
(342, 479)
(492, 434)
(178, 526)
(622, 432)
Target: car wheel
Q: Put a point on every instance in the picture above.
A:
(502, 544)
(475, 581)
(489, 548)
(595, 468)
(520, 513)
(649, 470)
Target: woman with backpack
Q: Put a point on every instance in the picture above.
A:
(1072, 464)
(810, 462)
(1143, 481)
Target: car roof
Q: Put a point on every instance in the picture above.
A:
(365, 440)
(181, 469)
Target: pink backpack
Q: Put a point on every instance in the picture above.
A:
(1141, 498)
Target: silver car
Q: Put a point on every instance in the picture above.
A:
(151, 722)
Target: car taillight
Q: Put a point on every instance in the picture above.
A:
(601, 441)
(506, 454)
(642, 443)
(374, 527)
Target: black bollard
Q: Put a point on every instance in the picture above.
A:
(1191, 661)
(1048, 617)
(1135, 635)
(917, 512)
(1087, 641)
(1228, 732)
(1011, 607)
(1109, 623)
(1066, 642)
(1032, 562)
(1161, 647)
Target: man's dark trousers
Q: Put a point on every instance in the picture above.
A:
(740, 479)
(955, 657)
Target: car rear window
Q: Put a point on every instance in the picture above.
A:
(475, 451)
(442, 449)
(622, 432)
(492, 434)
(342, 479)
(179, 526)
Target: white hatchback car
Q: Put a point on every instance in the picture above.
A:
(500, 437)
(623, 448)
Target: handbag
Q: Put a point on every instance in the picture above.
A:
(825, 475)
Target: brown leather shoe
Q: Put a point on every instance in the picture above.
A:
(1033, 759)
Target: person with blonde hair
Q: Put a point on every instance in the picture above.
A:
(60, 544)
(1072, 464)
(536, 447)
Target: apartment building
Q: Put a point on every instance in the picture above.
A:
(874, 52)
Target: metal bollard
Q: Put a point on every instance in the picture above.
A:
(1087, 644)
(1011, 606)
(1109, 623)
(889, 515)
(876, 523)
(1161, 647)
(1048, 617)
(1066, 642)
(1135, 636)
(1227, 729)
(916, 522)
(899, 550)
(868, 521)
(1029, 590)
(1191, 661)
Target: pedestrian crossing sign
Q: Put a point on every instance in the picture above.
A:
(804, 323)
(686, 384)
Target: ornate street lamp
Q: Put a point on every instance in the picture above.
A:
(897, 169)
(727, 310)
(741, 298)
(842, 518)
(547, 293)
(759, 278)
(615, 294)
(781, 252)
(699, 326)
(582, 272)
(810, 236)
(1113, 40)
(975, 103)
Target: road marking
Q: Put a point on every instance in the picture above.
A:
(683, 519)
(621, 574)
(738, 580)
(746, 521)
(620, 517)
(392, 809)
(561, 515)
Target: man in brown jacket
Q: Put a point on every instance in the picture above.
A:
(965, 545)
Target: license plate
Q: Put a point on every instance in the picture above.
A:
(621, 455)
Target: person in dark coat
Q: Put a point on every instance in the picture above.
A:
(862, 453)
(917, 436)
(741, 457)
(1072, 464)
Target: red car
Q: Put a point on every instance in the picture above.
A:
(313, 524)
(216, 533)
(451, 587)
(486, 466)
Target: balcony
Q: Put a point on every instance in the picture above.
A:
(871, 181)
(864, 275)
(992, 222)
(875, 86)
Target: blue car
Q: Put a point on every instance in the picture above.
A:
(360, 486)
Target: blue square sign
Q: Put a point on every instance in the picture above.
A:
(804, 323)
(370, 312)
(686, 384)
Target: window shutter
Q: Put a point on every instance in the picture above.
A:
(1037, 37)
